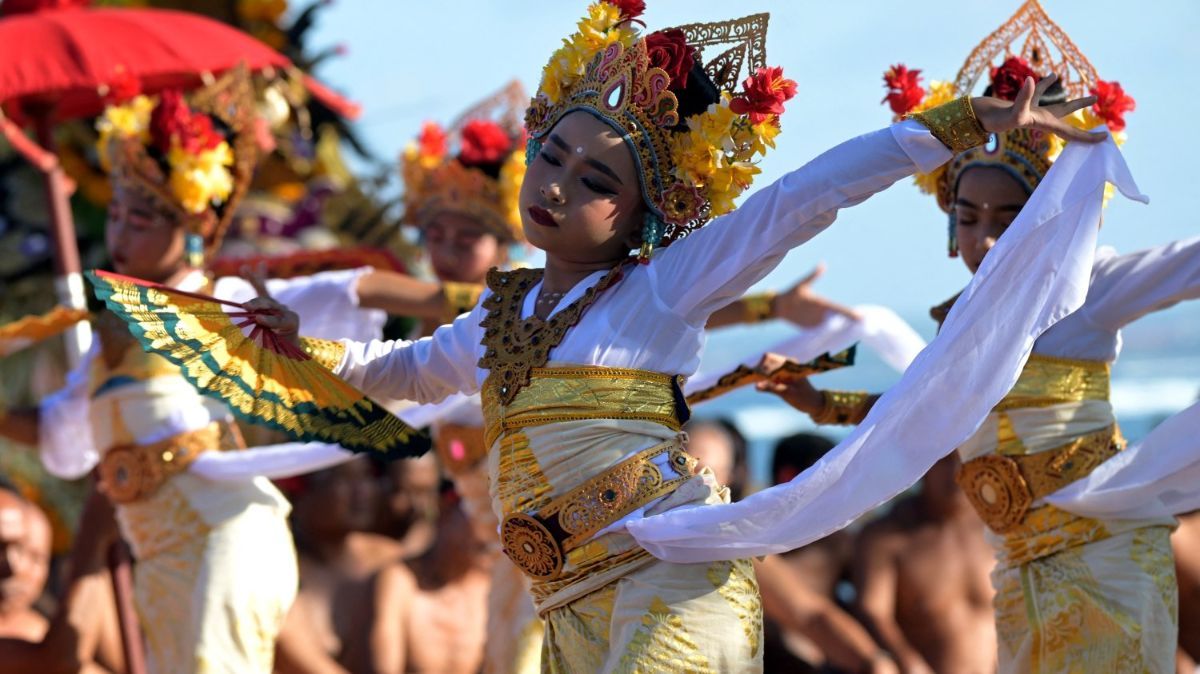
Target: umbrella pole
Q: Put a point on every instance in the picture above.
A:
(120, 567)
(68, 281)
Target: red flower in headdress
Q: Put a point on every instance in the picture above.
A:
(630, 9)
(904, 89)
(122, 86)
(1008, 79)
(763, 94)
(1112, 103)
(669, 50)
(432, 140)
(174, 122)
(484, 142)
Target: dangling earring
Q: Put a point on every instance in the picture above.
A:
(193, 246)
(953, 234)
(652, 234)
(532, 148)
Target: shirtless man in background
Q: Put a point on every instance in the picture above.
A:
(333, 511)
(430, 614)
(1186, 542)
(923, 580)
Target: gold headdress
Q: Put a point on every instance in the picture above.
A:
(193, 159)
(692, 163)
(1026, 154)
(483, 179)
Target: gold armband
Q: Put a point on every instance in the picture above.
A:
(844, 407)
(325, 351)
(458, 299)
(758, 307)
(955, 124)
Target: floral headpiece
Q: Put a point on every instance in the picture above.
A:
(193, 158)
(692, 163)
(1026, 154)
(482, 180)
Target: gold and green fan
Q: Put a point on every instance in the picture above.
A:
(30, 330)
(262, 377)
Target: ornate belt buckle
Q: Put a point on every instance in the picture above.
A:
(531, 546)
(997, 490)
(123, 474)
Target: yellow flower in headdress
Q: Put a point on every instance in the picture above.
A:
(764, 135)
(131, 120)
(199, 180)
(600, 27)
(512, 173)
(928, 182)
(939, 93)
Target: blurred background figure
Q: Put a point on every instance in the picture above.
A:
(430, 613)
(24, 566)
(333, 512)
(922, 577)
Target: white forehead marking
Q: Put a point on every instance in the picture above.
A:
(579, 150)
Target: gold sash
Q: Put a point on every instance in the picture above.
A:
(558, 394)
(131, 473)
(1004, 485)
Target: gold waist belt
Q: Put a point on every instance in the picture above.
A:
(538, 542)
(1049, 381)
(558, 394)
(130, 473)
(1003, 488)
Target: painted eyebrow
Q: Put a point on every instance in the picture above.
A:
(1006, 208)
(596, 164)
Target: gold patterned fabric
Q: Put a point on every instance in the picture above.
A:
(560, 394)
(695, 618)
(611, 598)
(132, 472)
(1074, 594)
(198, 616)
(955, 124)
(216, 567)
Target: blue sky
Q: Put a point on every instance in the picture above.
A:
(414, 61)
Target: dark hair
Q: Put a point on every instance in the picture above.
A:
(695, 98)
(799, 452)
(1055, 93)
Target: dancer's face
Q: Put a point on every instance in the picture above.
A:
(988, 201)
(581, 200)
(461, 249)
(141, 241)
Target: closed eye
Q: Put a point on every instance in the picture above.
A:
(549, 159)
(598, 188)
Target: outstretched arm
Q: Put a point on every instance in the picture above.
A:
(1126, 287)
(717, 264)
(403, 295)
(423, 371)
(800, 305)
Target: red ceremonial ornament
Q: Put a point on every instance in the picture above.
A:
(904, 89)
(1008, 79)
(630, 9)
(432, 140)
(1112, 103)
(763, 95)
(174, 122)
(483, 142)
(669, 50)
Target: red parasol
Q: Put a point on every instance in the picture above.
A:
(57, 63)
